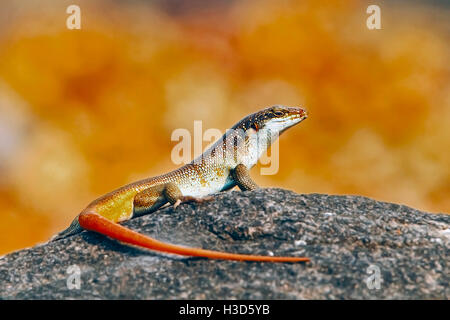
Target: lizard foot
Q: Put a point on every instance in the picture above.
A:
(176, 204)
(184, 199)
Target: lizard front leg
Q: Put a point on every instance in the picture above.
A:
(241, 176)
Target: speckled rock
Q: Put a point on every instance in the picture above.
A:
(360, 248)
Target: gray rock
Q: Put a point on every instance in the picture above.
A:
(345, 236)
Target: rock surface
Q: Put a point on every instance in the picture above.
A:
(345, 236)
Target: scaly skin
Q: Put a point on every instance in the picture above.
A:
(223, 166)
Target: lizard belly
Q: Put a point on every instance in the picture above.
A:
(206, 184)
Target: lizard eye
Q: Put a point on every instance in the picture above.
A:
(278, 113)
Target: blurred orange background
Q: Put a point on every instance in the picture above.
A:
(83, 112)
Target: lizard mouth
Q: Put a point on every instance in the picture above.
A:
(296, 116)
(301, 113)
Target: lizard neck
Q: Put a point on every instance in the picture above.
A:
(236, 147)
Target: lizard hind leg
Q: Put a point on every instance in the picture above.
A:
(149, 200)
(155, 197)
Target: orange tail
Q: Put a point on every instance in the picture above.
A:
(95, 222)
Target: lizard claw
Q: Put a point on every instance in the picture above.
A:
(176, 204)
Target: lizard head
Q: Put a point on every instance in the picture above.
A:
(275, 119)
(259, 130)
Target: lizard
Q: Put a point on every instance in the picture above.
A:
(221, 167)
